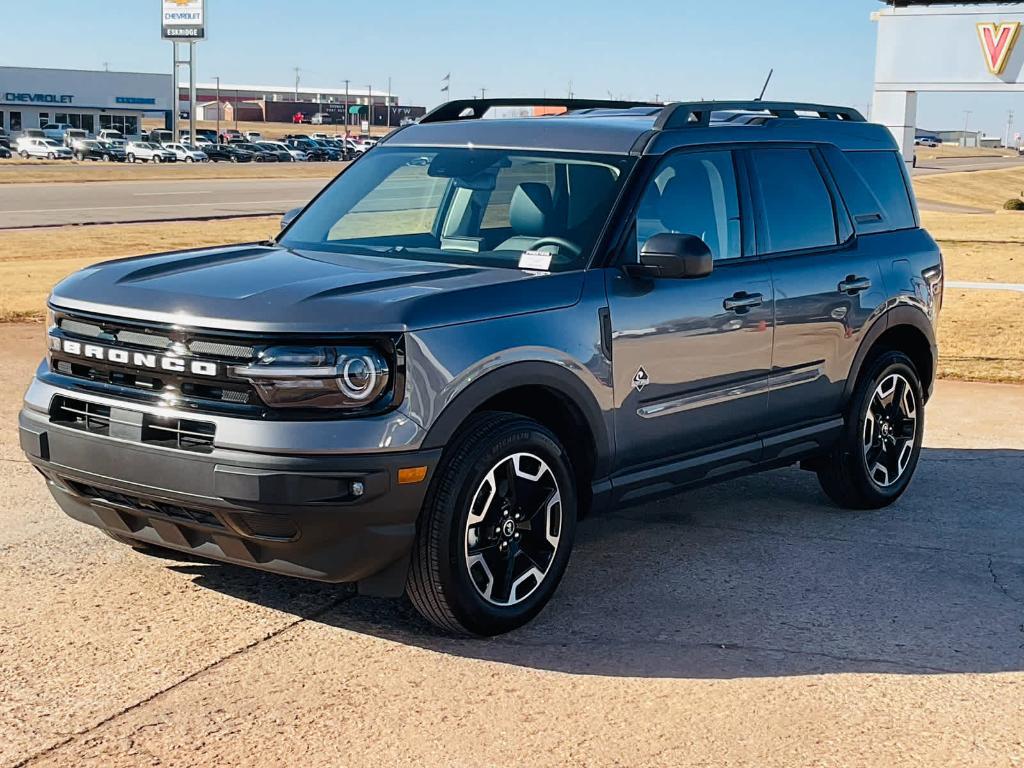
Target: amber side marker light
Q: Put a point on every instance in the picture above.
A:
(412, 475)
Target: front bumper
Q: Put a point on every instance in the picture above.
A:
(299, 516)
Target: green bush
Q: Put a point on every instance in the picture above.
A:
(1014, 204)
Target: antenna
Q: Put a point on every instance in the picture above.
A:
(768, 80)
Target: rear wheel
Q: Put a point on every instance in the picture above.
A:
(877, 455)
(51, 156)
(497, 528)
(189, 160)
(131, 158)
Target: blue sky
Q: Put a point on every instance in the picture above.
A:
(822, 50)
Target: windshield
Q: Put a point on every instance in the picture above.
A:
(488, 207)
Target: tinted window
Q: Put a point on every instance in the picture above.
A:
(883, 174)
(694, 194)
(797, 204)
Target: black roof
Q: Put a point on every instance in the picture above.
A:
(615, 127)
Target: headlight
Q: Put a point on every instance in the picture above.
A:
(318, 377)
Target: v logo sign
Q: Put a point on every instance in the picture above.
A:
(997, 41)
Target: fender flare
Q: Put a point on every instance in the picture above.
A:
(893, 318)
(552, 376)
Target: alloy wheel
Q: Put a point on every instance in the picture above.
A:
(890, 430)
(513, 529)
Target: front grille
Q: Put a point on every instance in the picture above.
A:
(217, 393)
(163, 431)
(144, 506)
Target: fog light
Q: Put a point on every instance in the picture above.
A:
(358, 489)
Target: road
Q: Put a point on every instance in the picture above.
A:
(26, 205)
(965, 164)
(744, 624)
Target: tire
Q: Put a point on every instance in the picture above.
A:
(189, 160)
(458, 590)
(24, 154)
(872, 464)
(105, 158)
(156, 159)
(51, 156)
(131, 158)
(234, 159)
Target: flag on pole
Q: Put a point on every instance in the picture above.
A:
(446, 83)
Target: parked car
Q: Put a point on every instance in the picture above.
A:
(33, 133)
(314, 152)
(330, 152)
(42, 148)
(364, 145)
(227, 153)
(925, 141)
(148, 152)
(5, 138)
(56, 131)
(186, 154)
(343, 151)
(5, 152)
(91, 149)
(160, 136)
(259, 154)
(108, 135)
(282, 153)
(296, 154)
(345, 403)
(230, 134)
(253, 136)
(74, 137)
(200, 142)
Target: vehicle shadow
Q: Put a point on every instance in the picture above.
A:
(757, 577)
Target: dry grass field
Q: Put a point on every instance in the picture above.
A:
(26, 277)
(981, 189)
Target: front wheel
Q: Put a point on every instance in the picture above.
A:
(497, 527)
(131, 158)
(51, 156)
(189, 160)
(876, 457)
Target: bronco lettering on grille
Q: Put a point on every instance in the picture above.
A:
(147, 360)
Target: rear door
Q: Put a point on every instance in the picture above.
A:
(826, 286)
(691, 357)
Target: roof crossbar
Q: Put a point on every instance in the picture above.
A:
(474, 109)
(697, 114)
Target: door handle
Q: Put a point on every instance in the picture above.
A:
(854, 285)
(743, 302)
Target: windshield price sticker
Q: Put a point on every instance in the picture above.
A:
(535, 260)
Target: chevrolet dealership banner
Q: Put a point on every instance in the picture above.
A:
(183, 20)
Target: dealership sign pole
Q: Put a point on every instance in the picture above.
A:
(184, 21)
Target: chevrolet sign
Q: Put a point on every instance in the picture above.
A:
(183, 19)
(145, 360)
(40, 98)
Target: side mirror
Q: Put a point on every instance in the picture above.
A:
(289, 217)
(674, 256)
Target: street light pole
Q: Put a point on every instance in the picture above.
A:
(967, 117)
(346, 108)
(369, 110)
(219, 107)
(389, 105)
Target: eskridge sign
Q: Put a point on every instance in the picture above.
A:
(183, 20)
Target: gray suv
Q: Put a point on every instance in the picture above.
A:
(484, 330)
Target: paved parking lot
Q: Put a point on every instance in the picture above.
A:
(746, 623)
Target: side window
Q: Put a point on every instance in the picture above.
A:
(694, 193)
(883, 173)
(798, 207)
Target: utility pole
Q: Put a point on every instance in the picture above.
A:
(1009, 128)
(967, 117)
(346, 108)
(483, 93)
(297, 71)
(389, 105)
(106, 66)
(219, 107)
(369, 109)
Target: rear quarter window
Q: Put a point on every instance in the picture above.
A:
(883, 174)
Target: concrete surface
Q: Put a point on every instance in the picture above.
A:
(26, 205)
(743, 624)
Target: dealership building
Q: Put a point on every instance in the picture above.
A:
(91, 100)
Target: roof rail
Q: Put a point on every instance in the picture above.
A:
(697, 114)
(474, 109)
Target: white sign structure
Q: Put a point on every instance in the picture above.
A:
(943, 47)
(183, 20)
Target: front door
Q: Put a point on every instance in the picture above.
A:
(691, 358)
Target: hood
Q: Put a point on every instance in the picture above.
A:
(267, 288)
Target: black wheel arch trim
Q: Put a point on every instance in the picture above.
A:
(890, 319)
(513, 376)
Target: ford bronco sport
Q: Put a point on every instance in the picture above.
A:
(486, 328)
